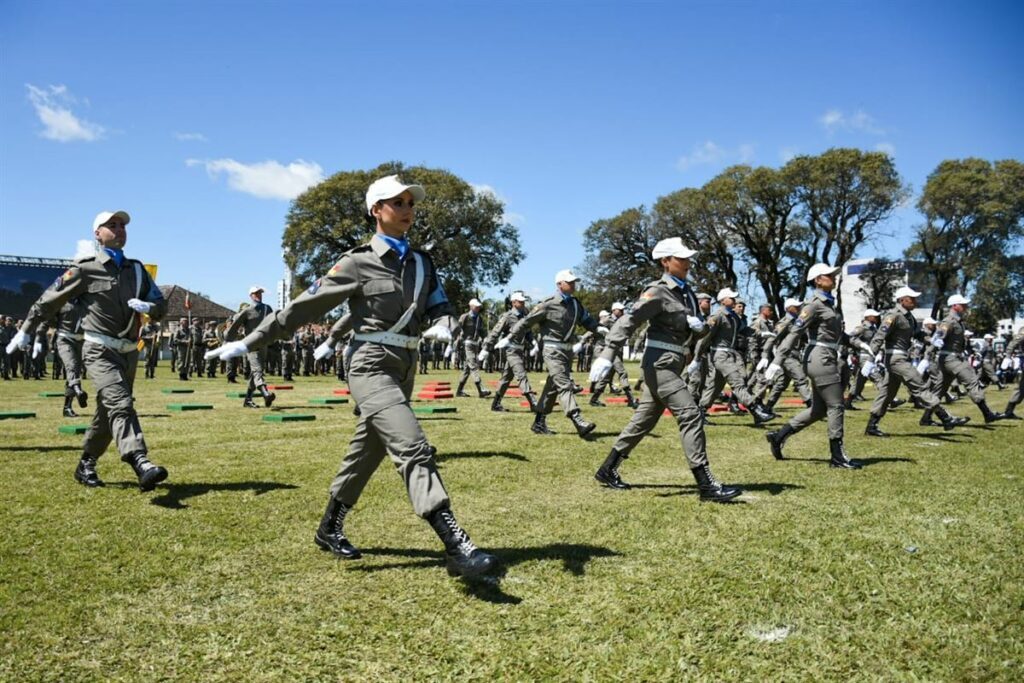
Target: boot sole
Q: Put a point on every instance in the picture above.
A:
(454, 571)
(607, 483)
(721, 499)
(149, 483)
(326, 547)
(85, 482)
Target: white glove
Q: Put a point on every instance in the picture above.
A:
(695, 323)
(37, 349)
(938, 342)
(324, 350)
(772, 372)
(230, 350)
(448, 351)
(438, 333)
(879, 356)
(599, 369)
(577, 347)
(139, 305)
(503, 342)
(867, 369)
(762, 364)
(693, 367)
(533, 351)
(602, 329)
(482, 356)
(923, 366)
(19, 341)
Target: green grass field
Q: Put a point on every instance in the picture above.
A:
(910, 569)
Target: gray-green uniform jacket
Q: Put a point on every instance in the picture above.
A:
(664, 304)
(952, 357)
(896, 336)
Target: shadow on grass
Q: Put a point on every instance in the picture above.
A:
(153, 416)
(41, 449)
(771, 488)
(866, 461)
(172, 495)
(441, 457)
(573, 557)
(951, 437)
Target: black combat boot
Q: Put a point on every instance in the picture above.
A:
(85, 473)
(247, 402)
(461, 391)
(68, 410)
(531, 399)
(926, 418)
(760, 413)
(710, 489)
(496, 404)
(583, 428)
(83, 398)
(988, 414)
(949, 422)
(481, 392)
(838, 459)
(232, 378)
(462, 558)
(268, 395)
(608, 473)
(734, 405)
(848, 404)
(630, 400)
(1008, 414)
(808, 402)
(777, 439)
(896, 403)
(540, 425)
(149, 474)
(330, 535)
(872, 429)
(595, 397)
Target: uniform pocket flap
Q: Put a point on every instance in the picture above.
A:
(382, 286)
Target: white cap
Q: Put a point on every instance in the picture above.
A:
(565, 276)
(104, 216)
(603, 314)
(821, 269)
(703, 295)
(673, 246)
(929, 321)
(905, 291)
(389, 187)
(989, 336)
(475, 302)
(256, 288)
(618, 305)
(957, 299)
(871, 312)
(726, 294)
(518, 296)
(790, 302)
(968, 333)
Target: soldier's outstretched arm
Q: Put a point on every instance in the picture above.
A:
(69, 285)
(529, 320)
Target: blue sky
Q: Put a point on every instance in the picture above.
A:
(203, 118)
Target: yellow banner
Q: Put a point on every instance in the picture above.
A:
(151, 269)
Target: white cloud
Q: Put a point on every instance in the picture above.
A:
(859, 121)
(886, 147)
(266, 179)
(190, 137)
(84, 248)
(710, 154)
(516, 219)
(52, 105)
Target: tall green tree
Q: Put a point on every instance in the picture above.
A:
(618, 261)
(974, 222)
(464, 231)
(845, 195)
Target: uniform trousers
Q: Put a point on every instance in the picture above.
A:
(822, 368)
(515, 368)
(954, 367)
(471, 366)
(559, 382)
(901, 371)
(70, 353)
(728, 367)
(115, 419)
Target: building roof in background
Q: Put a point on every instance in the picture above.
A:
(201, 306)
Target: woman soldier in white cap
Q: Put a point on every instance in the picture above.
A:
(670, 306)
(949, 339)
(822, 324)
(395, 296)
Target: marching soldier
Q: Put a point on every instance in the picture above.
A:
(470, 333)
(895, 337)
(247, 320)
(197, 346)
(696, 381)
(515, 350)
(988, 362)
(395, 296)
(670, 306)
(822, 324)
(150, 335)
(762, 330)
(618, 366)
(114, 290)
(950, 340)
(7, 331)
(182, 342)
(1016, 348)
(792, 367)
(211, 340)
(68, 343)
(557, 317)
(865, 332)
(724, 327)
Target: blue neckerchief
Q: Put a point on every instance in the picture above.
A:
(827, 295)
(474, 314)
(681, 283)
(401, 246)
(116, 254)
(565, 297)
